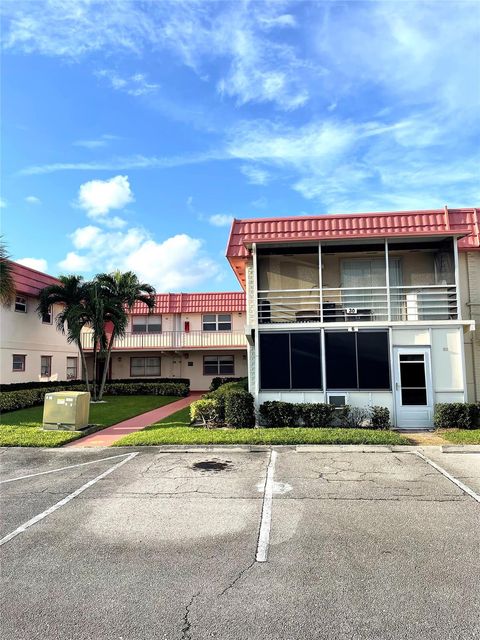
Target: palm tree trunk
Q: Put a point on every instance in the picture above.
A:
(84, 365)
(105, 367)
(94, 373)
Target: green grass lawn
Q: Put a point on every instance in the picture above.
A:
(176, 430)
(23, 428)
(461, 436)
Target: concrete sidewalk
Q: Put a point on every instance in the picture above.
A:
(108, 436)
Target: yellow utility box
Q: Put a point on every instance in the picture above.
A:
(66, 410)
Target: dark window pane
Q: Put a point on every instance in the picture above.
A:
(414, 396)
(274, 361)
(341, 360)
(373, 362)
(306, 364)
(412, 374)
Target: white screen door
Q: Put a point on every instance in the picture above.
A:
(413, 388)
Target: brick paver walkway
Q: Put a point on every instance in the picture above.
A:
(108, 436)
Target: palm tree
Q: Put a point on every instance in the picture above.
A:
(7, 283)
(119, 292)
(73, 294)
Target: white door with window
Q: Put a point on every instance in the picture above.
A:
(413, 388)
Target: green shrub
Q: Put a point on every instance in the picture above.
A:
(459, 415)
(146, 388)
(316, 414)
(274, 413)
(239, 409)
(379, 418)
(352, 417)
(206, 411)
(218, 382)
(69, 384)
(12, 400)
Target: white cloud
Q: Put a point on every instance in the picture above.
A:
(241, 36)
(99, 197)
(135, 85)
(95, 143)
(32, 200)
(255, 175)
(39, 264)
(126, 163)
(220, 220)
(74, 263)
(179, 262)
(3, 203)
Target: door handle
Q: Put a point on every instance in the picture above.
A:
(397, 386)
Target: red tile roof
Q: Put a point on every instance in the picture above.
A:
(195, 303)
(29, 281)
(355, 225)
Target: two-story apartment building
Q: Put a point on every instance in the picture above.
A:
(187, 335)
(362, 309)
(31, 348)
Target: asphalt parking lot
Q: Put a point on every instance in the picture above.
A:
(230, 544)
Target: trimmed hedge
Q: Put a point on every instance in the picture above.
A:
(228, 405)
(12, 400)
(219, 382)
(457, 415)
(239, 410)
(68, 384)
(274, 413)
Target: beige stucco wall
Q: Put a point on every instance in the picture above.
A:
(176, 365)
(176, 322)
(26, 334)
(469, 268)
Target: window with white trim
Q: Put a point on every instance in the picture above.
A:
(218, 365)
(47, 317)
(144, 367)
(21, 304)
(72, 368)
(217, 322)
(18, 362)
(146, 324)
(45, 366)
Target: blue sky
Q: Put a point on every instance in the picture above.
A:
(133, 132)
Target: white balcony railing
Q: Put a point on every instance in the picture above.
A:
(174, 340)
(358, 304)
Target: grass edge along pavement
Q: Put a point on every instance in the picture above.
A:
(460, 436)
(23, 427)
(176, 429)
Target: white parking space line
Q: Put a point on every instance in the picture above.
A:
(266, 520)
(459, 484)
(71, 466)
(22, 528)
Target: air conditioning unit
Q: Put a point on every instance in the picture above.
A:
(66, 410)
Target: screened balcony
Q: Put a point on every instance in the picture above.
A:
(398, 281)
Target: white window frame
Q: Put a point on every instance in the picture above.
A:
(75, 359)
(217, 360)
(145, 374)
(147, 321)
(49, 314)
(24, 362)
(19, 302)
(216, 322)
(49, 360)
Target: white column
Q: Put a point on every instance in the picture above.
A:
(457, 279)
(387, 281)
(320, 279)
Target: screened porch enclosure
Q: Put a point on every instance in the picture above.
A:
(340, 282)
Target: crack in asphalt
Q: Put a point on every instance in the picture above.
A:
(186, 635)
(240, 574)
